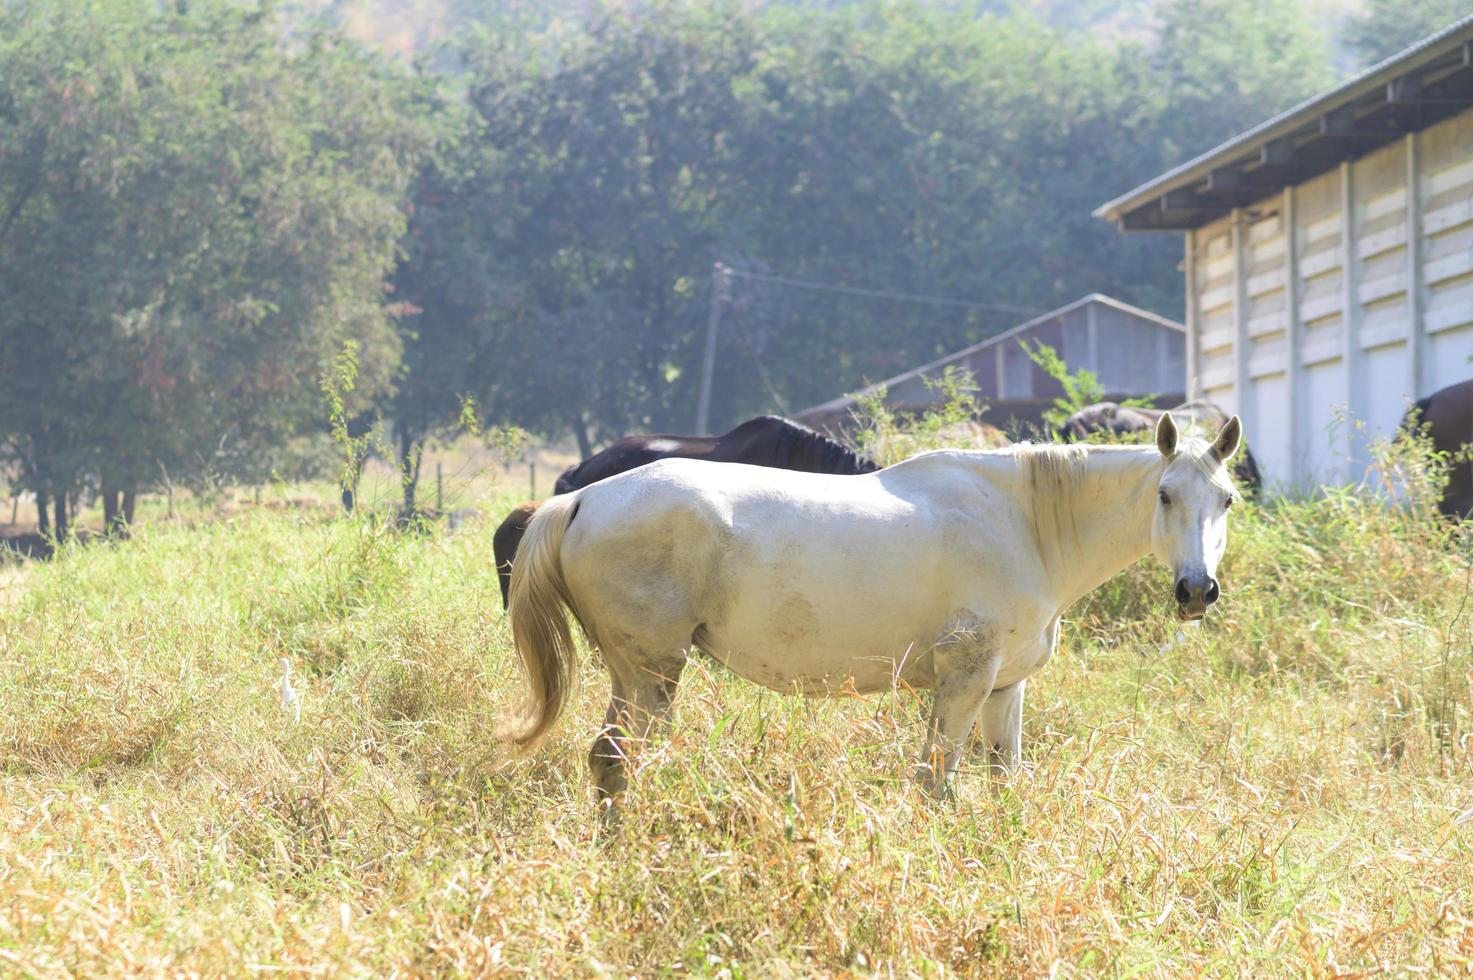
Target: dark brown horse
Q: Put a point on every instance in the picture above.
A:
(764, 441)
(1447, 415)
(1126, 419)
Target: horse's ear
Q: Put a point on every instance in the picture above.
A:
(1166, 435)
(1229, 437)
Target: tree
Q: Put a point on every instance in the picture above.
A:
(562, 248)
(202, 215)
(565, 245)
(1219, 66)
(1384, 27)
(459, 324)
(902, 147)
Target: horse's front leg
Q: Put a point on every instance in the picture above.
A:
(966, 664)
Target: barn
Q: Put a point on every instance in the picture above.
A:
(1329, 259)
(1133, 352)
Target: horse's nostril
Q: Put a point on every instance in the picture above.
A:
(1212, 591)
(1183, 596)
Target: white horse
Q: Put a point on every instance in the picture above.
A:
(948, 571)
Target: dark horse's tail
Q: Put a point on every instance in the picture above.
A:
(1416, 416)
(506, 541)
(1419, 410)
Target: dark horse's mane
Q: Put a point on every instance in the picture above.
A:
(796, 446)
(768, 440)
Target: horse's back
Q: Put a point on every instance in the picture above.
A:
(741, 509)
(728, 495)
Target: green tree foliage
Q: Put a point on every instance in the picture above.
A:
(564, 235)
(200, 204)
(878, 147)
(920, 150)
(1082, 388)
(1217, 67)
(1384, 27)
(887, 437)
(193, 218)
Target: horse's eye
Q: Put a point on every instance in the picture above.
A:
(1227, 504)
(1165, 497)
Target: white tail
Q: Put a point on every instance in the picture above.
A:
(539, 620)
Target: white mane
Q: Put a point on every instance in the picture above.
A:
(1055, 473)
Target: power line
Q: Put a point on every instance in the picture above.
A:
(884, 294)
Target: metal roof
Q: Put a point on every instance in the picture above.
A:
(941, 363)
(1411, 90)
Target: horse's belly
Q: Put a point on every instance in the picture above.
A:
(823, 670)
(790, 641)
(853, 609)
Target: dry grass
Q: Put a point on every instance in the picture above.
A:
(1288, 790)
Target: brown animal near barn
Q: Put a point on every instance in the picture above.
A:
(1447, 416)
(1127, 419)
(767, 440)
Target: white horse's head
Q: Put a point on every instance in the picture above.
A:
(1189, 530)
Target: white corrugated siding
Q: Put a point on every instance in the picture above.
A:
(1297, 337)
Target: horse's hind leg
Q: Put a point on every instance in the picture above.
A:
(1002, 729)
(642, 695)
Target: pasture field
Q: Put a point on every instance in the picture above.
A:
(1286, 791)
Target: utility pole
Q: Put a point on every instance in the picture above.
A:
(720, 284)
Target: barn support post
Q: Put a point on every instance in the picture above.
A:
(1192, 389)
(1416, 333)
(1163, 353)
(1092, 332)
(1351, 353)
(1001, 374)
(1292, 329)
(1242, 377)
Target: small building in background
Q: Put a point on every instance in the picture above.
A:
(1134, 353)
(1329, 259)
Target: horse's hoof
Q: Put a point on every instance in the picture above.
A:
(930, 782)
(610, 815)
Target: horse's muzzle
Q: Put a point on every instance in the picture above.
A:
(1194, 593)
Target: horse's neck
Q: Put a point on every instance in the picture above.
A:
(1113, 507)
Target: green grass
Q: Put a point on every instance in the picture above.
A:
(1277, 793)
